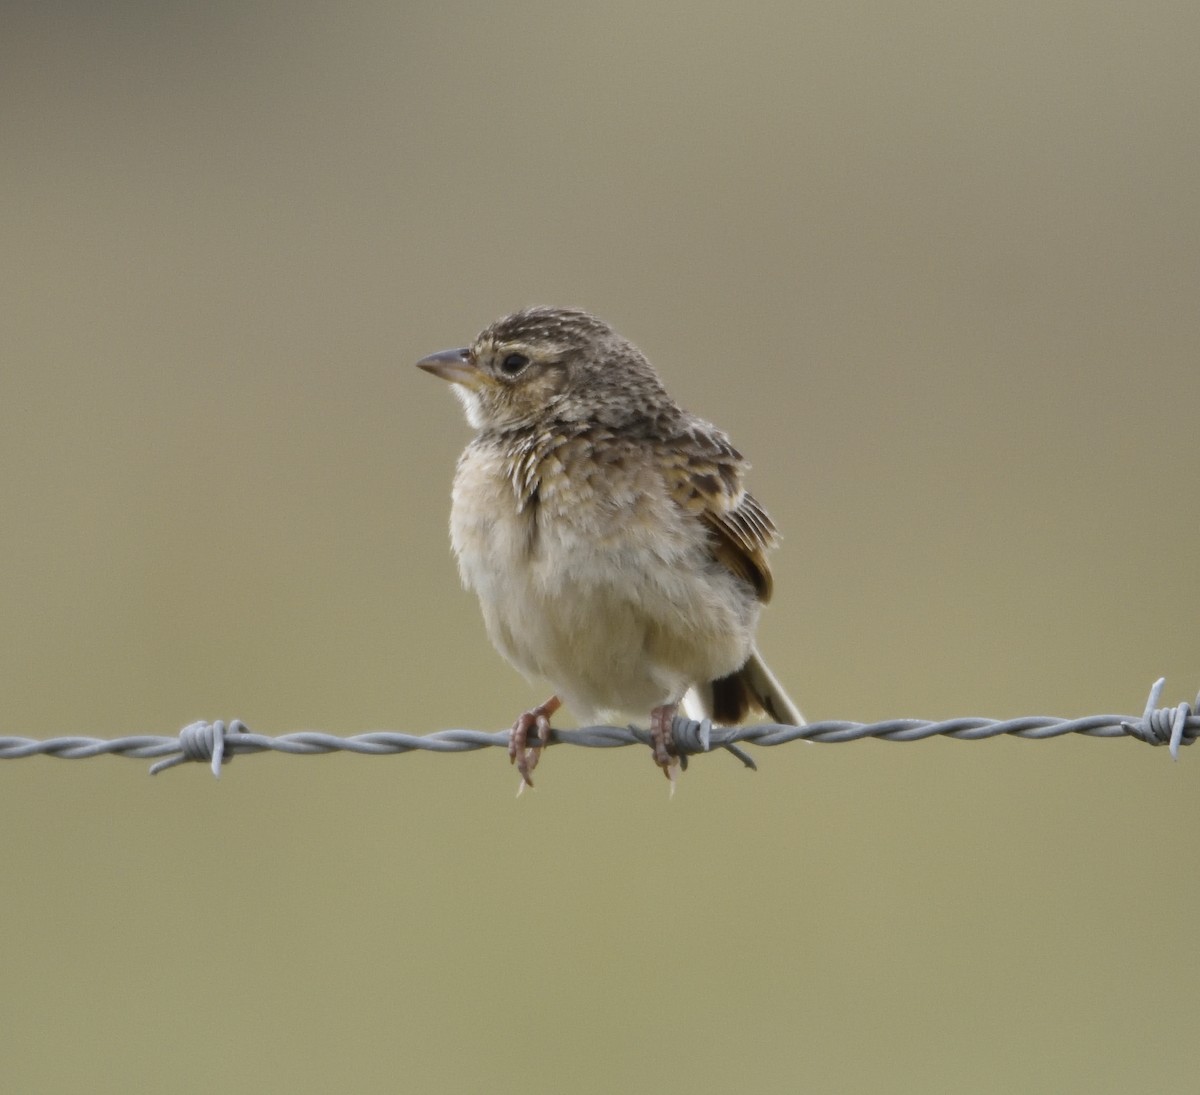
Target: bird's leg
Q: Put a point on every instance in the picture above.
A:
(660, 738)
(519, 750)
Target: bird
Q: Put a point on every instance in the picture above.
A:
(607, 533)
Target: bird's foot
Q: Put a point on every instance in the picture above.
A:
(520, 752)
(661, 742)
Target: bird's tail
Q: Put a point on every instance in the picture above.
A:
(728, 700)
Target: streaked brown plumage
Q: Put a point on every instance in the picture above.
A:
(606, 531)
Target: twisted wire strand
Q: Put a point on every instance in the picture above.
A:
(218, 742)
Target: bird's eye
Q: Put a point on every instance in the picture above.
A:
(513, 364)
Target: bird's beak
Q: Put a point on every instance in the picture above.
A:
(455, 366)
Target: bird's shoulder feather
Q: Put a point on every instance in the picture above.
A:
(704, 474)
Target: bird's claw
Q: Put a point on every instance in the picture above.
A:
(662, 743)
(520, 752)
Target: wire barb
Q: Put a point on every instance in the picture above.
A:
(1173, 726)
(218, 742)
(202, 741)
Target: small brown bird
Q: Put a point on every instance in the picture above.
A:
(606, 532)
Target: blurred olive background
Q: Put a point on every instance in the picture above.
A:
(935, 269)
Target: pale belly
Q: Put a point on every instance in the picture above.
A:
(616, 617)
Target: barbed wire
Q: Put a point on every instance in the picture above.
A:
(218, 742)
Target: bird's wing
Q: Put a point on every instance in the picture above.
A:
(704, 476)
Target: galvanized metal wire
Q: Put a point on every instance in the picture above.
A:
(216, 743)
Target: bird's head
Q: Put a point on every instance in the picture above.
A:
(548, 364)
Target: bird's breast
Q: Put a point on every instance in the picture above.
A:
(590, 576)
